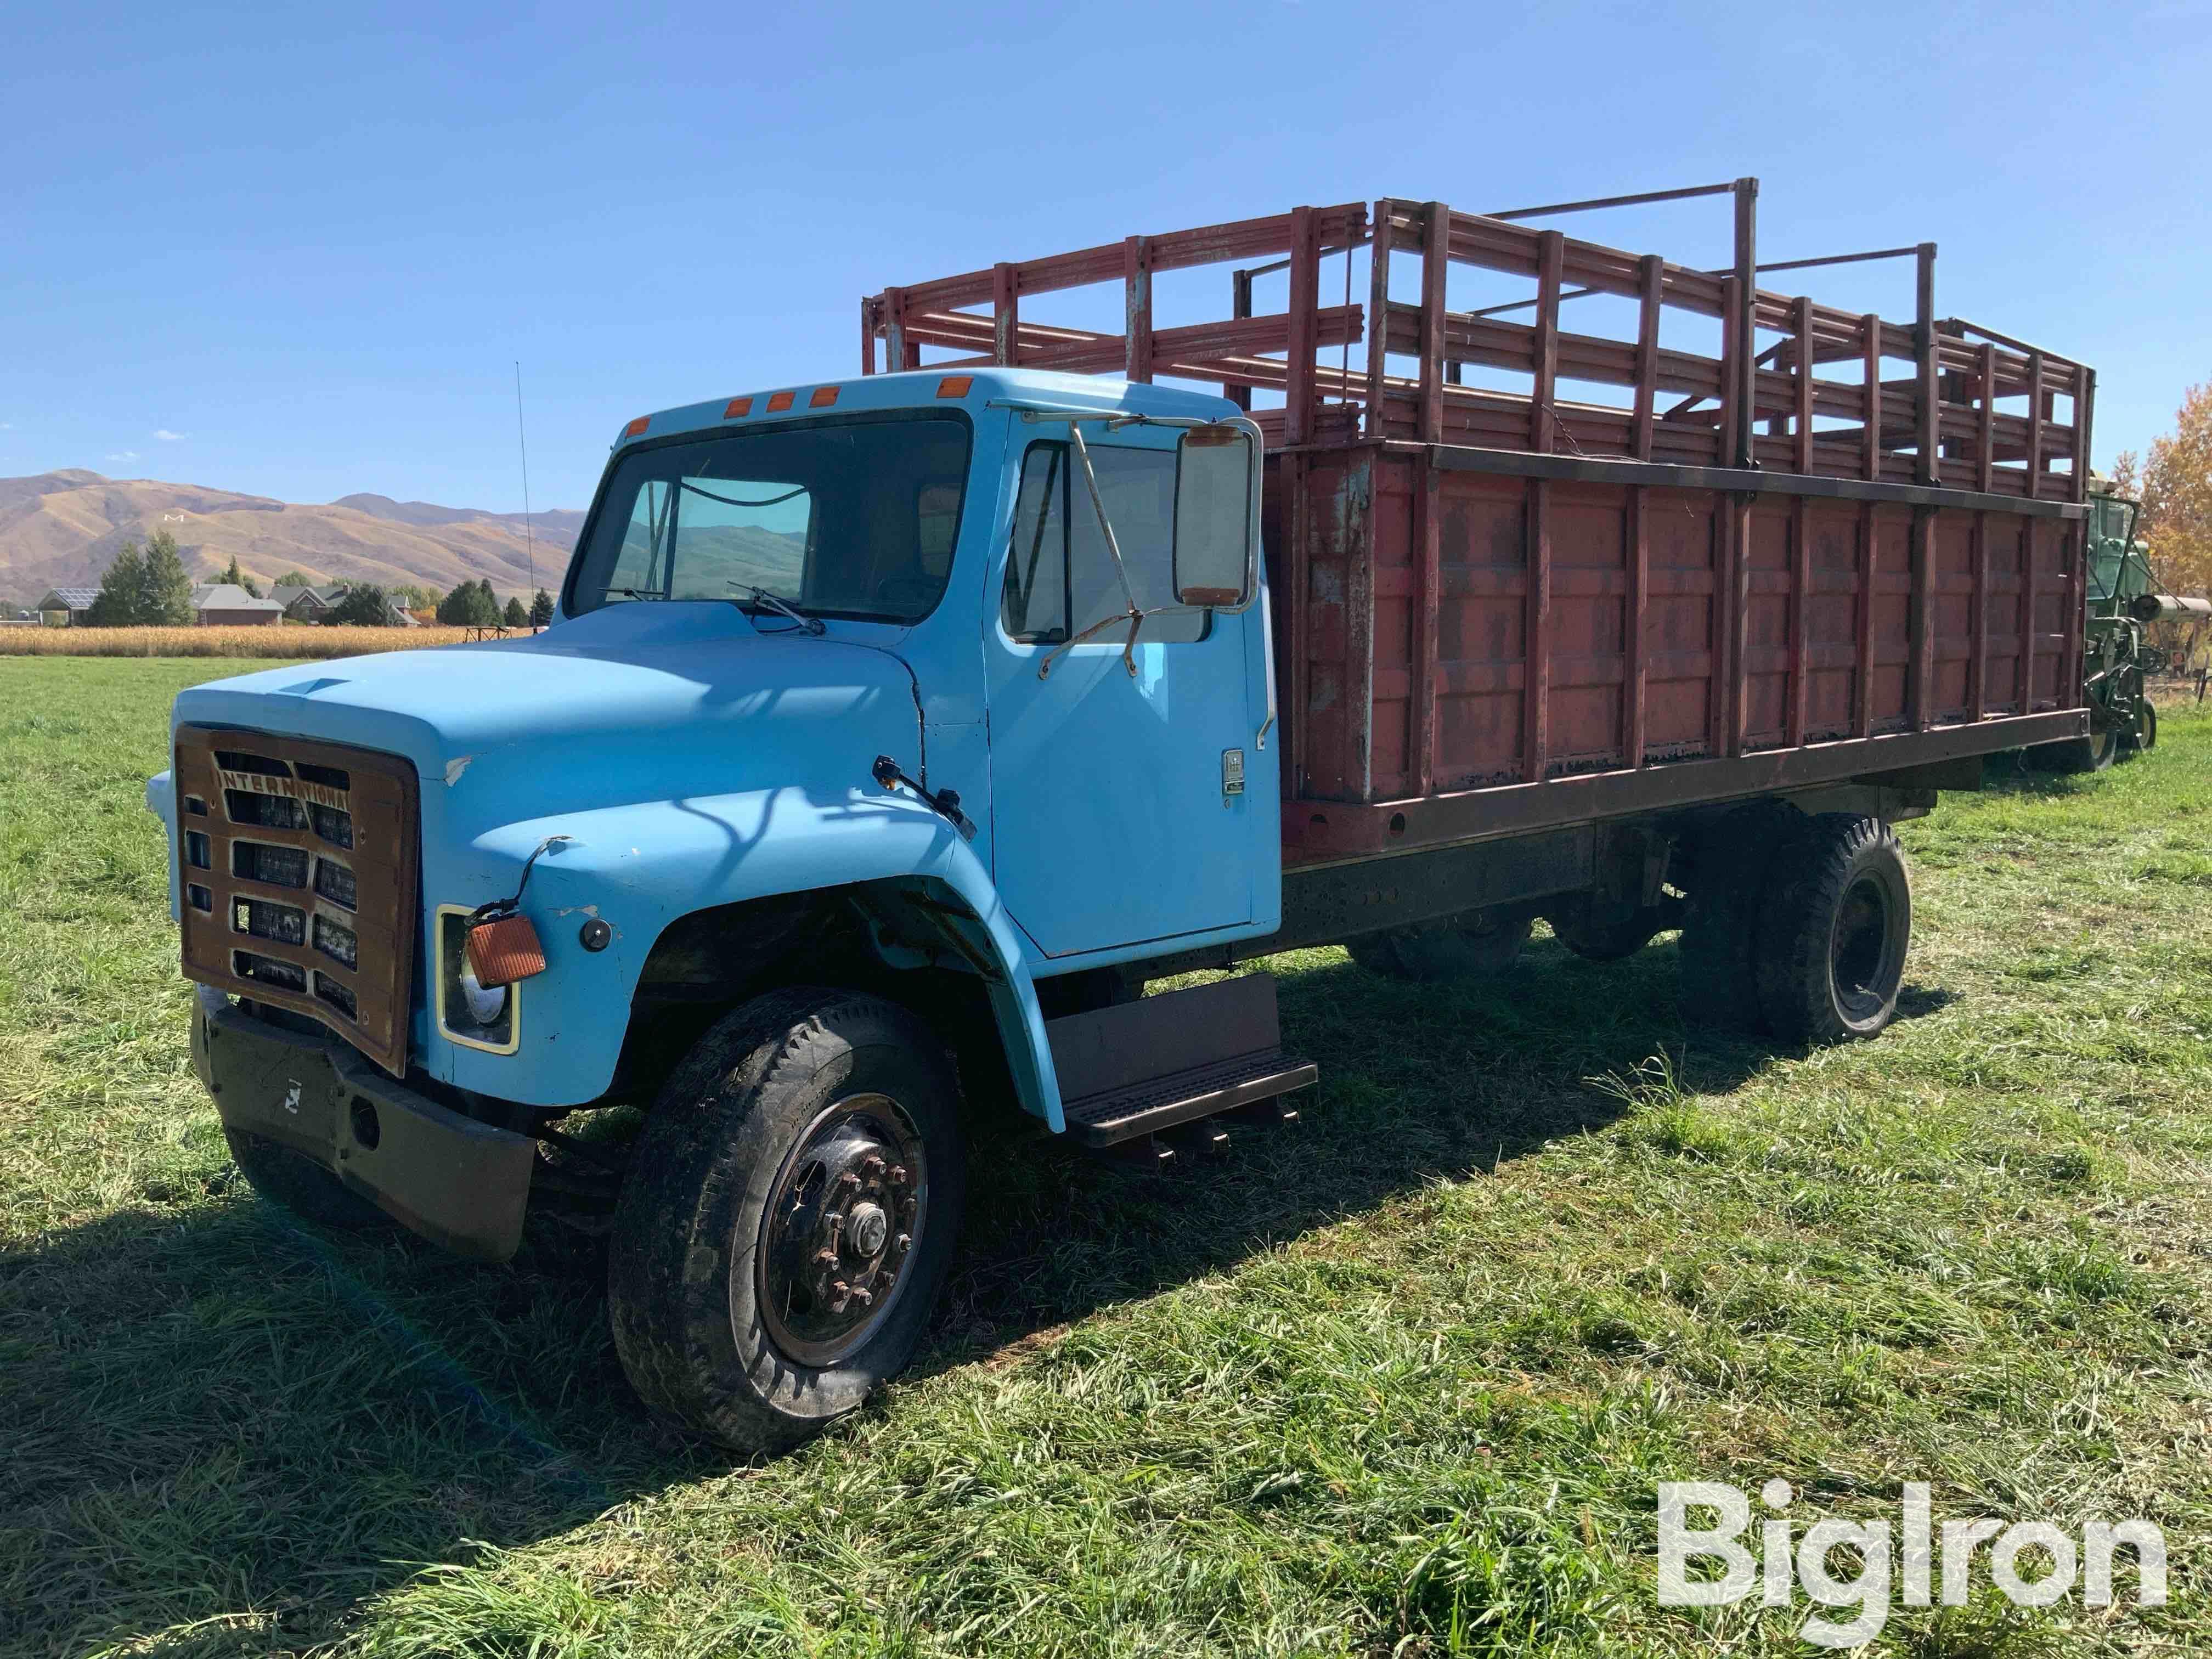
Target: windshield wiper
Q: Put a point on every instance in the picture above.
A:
(636, 594)
(767, 600)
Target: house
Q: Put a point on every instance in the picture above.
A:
(220, 605)
(66, 607)
(307, 605)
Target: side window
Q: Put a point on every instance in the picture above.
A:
(1034, 607)
(1061, 577)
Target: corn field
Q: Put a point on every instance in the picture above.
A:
(287, 644)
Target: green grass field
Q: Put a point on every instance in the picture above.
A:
(1399, 1380)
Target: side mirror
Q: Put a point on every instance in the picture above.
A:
(1213, 563)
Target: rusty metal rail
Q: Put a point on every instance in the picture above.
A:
(1842, 546)
(1920, 403)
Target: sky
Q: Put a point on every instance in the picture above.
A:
(299, 251)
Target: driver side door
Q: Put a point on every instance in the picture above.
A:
(1118, 812)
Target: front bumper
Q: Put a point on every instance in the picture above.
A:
(458, 1182)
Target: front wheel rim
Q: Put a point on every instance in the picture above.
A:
(838, 1236)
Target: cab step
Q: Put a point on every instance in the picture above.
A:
(1148, 1066)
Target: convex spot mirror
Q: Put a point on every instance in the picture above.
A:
(1213, 562)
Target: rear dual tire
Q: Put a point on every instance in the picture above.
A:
(1799, 926)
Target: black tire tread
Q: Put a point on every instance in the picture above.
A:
(659, 1297)
(1719, 943)
(1811, 876)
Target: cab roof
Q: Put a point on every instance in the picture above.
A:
(972, 389)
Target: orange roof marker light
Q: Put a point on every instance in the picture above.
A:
(780, 401)
(955, 386)
(823, 397)
(636, 427)
(736, 407)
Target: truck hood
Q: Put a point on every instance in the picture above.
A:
(632, 702)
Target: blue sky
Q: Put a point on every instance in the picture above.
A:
(297, 251)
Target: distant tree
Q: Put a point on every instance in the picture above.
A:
(470, 606)
(362, 605)
(237, 578)
(515, 616)
(2177, 494)
(144, 587)
(168, 584)
(122, 595)
(293, 579)
(414, 595)
(541, 609)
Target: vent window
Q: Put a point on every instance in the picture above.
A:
(338, 942)
(279, 866)
(233, 760)
(263, 812)
(335, 882)
(329, 990)
(280, 922)
(268, 970)
(334, 824)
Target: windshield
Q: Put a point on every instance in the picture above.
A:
(854, 518)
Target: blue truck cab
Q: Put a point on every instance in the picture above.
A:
(883, 725)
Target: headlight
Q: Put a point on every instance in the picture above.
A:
(467, 1012)
(484, 1007)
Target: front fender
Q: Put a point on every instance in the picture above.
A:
(640, 867)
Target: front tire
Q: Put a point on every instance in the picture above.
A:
(1833, 931)
(789, 1217)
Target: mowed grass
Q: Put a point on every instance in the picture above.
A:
(1401, 1379)
(287, 643)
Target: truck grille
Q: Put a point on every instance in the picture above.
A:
(299, 878)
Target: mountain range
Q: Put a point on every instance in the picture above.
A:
(62, 529)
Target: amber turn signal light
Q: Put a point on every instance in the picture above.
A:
(504, 951)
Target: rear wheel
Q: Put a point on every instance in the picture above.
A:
(1833, 931)
(1720, 984)
(300, 1185)
(1475, 942)
(789, 1217)
(2095, 753)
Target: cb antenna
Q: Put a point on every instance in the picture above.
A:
(529, 539)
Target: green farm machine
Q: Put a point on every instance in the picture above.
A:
(2118, 656)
